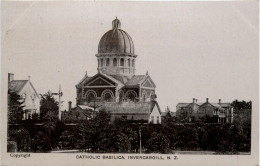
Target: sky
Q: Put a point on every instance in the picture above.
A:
(191, 49)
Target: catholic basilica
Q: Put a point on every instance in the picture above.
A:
(116, 79)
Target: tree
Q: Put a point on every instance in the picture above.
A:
(158, 143)
(66, 140)
(41, 142)
(48, 104)
(22, 137)
(15, 107)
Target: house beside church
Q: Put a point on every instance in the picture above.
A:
(27, 92)
(116, 87)
(221, 112)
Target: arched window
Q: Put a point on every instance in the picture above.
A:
(133, 63)
(101, 62)
(128, 62)
(131, 95)
(98, 63)
(107, 96)
(121, 62)
(91, 96)
(114, 62)
(108, 61)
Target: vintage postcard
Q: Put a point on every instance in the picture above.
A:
(123, 83)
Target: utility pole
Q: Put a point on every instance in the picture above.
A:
(59, 102)
(140, 134)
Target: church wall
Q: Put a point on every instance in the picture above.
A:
(136, 90)
(99, 90)
(148, 93)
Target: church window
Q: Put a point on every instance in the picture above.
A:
(90, 97)
(121, 62)
(107, 62)
(98, 63)
(128, 62)
(114, 62)
(133, 63)
(101, 62)
(131, 95)
(157, 119)
(107, 96)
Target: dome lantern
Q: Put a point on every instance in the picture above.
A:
(116, 24)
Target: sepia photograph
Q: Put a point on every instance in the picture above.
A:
(130, 80)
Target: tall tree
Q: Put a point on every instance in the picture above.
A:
(15, 107)
(48, 104)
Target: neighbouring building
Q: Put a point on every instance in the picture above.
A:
(78, 113)
(116, 87)
(29, 95)
(167, 114)
(222, 112)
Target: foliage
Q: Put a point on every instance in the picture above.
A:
(22, 138)
(41, 142)
(48, 104)
(15, 108)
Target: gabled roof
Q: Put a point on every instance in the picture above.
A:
(225, 104)
(112, 79)
(135, 80)
(84, 79)
(165, 113)
(182, 104)
(216, 105)
(17, 85)
(153, 104)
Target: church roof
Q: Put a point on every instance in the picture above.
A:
(120, 78)
(17, 85)
(128, 108)
(116, 40)
(135, 80)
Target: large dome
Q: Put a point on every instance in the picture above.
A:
(116, 41)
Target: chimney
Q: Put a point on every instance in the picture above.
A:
(69, 105)
(193, 100)
(10, 77)
(219, 101)
(207, 100)
(196, 100)
(29, 77)
(86, 73)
